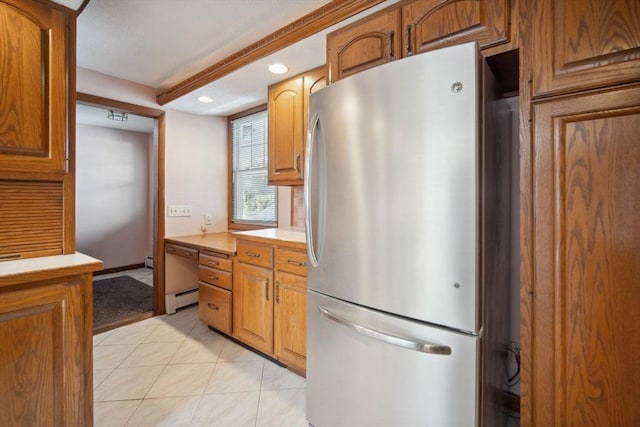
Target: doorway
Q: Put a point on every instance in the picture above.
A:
(123, 154)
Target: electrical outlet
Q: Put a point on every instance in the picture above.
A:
(207, 219)
(180, 210)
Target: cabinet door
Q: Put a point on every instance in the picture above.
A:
(45, 364)
(290, 321)
(580, 45)
(580, 319)
(33, 78)
(364, 44)
(286, 144)
(253, 306)
(432, 24)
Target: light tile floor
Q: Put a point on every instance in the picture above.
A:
(174, 371)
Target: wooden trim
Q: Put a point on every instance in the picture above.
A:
(129, 320)
(88, 99)
(84, 4)
(158, 256)
(118, 269)
(69, 179)
(318, 20)
(158, 260)
(527, 241)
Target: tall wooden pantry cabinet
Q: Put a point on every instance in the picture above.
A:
(46, 369)
(580, 222)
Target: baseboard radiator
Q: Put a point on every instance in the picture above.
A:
(180, 299)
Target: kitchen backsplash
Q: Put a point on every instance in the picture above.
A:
(297, 207)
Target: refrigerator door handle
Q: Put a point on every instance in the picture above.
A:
(313, 191)
(397, 340)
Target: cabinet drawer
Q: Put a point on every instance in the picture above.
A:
(255, 254)
(215, 277)
(291, 261)
(213, 261)
(182, 251)
(214, 307)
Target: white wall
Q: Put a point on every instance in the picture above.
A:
(196, 171)
(112, 195)
(195, 156)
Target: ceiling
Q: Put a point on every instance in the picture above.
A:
(159, 43)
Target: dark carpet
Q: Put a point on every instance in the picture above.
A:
(119, 298)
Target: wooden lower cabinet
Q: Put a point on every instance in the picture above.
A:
(46, 368)
(290, 321)
(270, 303)
(215, 274)
(253, 306)
(580, 315)
(214, 307)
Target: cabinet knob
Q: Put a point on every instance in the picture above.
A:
(212, 277)
(213, 307)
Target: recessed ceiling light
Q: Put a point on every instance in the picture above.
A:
(204, 98)
(278, 68)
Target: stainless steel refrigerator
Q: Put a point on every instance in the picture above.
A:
(403, 224)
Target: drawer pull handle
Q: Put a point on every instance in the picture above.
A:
(277, 292)
(297, 263)
(213, 307)
(171, 250)
(266, 288)
(252, 254)
(212, 277)
(213, 262)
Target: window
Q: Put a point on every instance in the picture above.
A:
(253, 200)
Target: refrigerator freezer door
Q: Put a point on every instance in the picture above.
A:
(392, 188)
(358, 379)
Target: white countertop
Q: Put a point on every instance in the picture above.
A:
(46, 263)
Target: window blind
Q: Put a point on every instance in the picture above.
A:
(253, 199)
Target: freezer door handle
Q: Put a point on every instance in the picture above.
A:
(400, 341)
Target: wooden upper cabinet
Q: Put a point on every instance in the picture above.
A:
(288, 115)
(582, 45)
(285, 130)
(580, 324)
(33, 39)
(432, 24)
(416, 27)
(372, 41)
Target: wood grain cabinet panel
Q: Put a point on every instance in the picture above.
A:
(288, 109)
(585, 44)
(433, 24)
(290, 320)
(253, 306)
(285, 129)
(214, 307)
(33, 40)
(45, 364)
(581, 323)
(372, 41)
